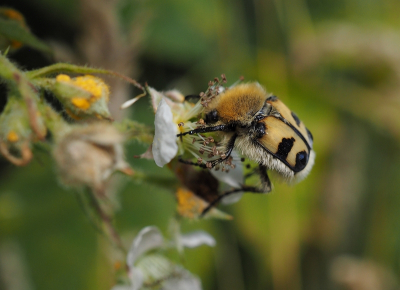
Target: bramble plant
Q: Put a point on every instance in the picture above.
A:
(87, 147)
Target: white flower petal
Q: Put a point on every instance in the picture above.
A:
(233, 178)
(129, 103)
(175, 96)
(148, 238)
(232, 198)
(164, 143)
(121, 287)
(155, 268)
(182, 280)
(156, 97)
(137, 278)
(197, 238)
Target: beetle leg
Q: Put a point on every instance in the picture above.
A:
(218, 199)
(265, 182)
(265, 188)
(213, 163)
(191, 162)
(229, 149)
(225, 128)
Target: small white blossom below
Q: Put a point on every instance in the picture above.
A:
(164, 143)
(184, 280)
(122, 287)
(197, 238)
(153, 270)
(148, 238)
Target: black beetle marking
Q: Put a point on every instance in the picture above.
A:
(310, 136)
(301, 161)
(296, 119)
(284, 147)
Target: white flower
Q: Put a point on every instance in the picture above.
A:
(154, 270)
(183, 281)
(148, 239)
(197, 238)
(233, 178)
(172, 113)
(164, 143)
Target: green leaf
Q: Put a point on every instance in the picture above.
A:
(13, 30)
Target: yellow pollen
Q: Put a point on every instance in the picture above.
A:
(63, 78)
(189, 205)
(12, 137)
(81, 103)
(95, 86)
(91, 85)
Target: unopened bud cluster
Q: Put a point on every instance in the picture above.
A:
(83, 96)
(86, 154)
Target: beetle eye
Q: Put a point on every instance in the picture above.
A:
(211, 117)
(260, 129)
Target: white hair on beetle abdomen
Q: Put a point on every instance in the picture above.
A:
(258, 154)
(248, 148)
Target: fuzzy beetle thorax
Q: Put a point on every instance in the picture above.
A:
(239, 104)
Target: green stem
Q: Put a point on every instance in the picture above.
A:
(70, 68)
(54, 121)
(17, 79)
(99, 218)
(136, 131)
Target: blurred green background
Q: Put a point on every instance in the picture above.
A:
(335, 63)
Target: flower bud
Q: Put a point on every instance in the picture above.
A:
(88, 155)
(16, 133)
(83, 97)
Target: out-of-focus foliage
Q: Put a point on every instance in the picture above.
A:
(15, 33)
(335, 63)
